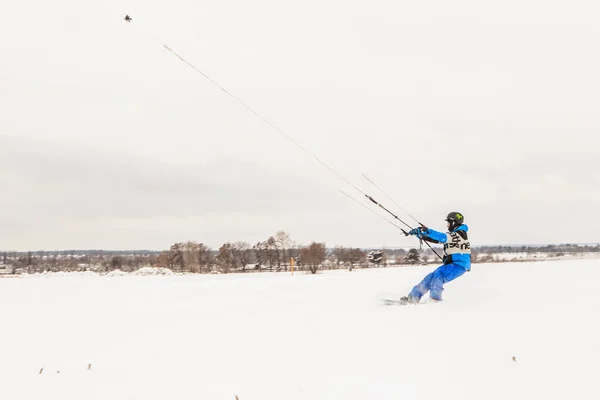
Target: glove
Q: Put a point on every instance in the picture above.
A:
(419, 232)
(415, 231)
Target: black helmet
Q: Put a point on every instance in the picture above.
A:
(455, 219)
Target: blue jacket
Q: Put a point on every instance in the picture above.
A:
(457, 248)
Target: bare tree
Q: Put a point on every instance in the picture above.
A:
(116, 262)
(242, 254)
(191, 257)
(225, 257)
(205, 258)
(474, 255)
(313, 256)
(260, 252)
(163, 259)
(273, 254)
(338, 256)
(357, 257)
(176, 257)
(284, 243)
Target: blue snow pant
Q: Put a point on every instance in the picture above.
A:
(434, 281)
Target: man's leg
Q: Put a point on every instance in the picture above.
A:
(443, 274)
(423, 287)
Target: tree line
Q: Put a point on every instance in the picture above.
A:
(277, 253)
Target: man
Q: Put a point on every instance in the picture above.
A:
(457, 258)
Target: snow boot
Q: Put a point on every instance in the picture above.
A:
(408, 300)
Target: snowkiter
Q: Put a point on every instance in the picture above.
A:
(457, 258)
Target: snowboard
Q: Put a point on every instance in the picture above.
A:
(397, 302)
(394, 302)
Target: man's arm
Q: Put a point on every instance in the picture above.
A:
(438, 237)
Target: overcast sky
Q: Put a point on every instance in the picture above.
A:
(109, 141)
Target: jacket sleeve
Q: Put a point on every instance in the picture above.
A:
(439, 237)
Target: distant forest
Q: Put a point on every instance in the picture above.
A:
(277, 253)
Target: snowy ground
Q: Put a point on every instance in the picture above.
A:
(274, 336)
(539, 256)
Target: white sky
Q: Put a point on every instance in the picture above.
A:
(109, 141)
